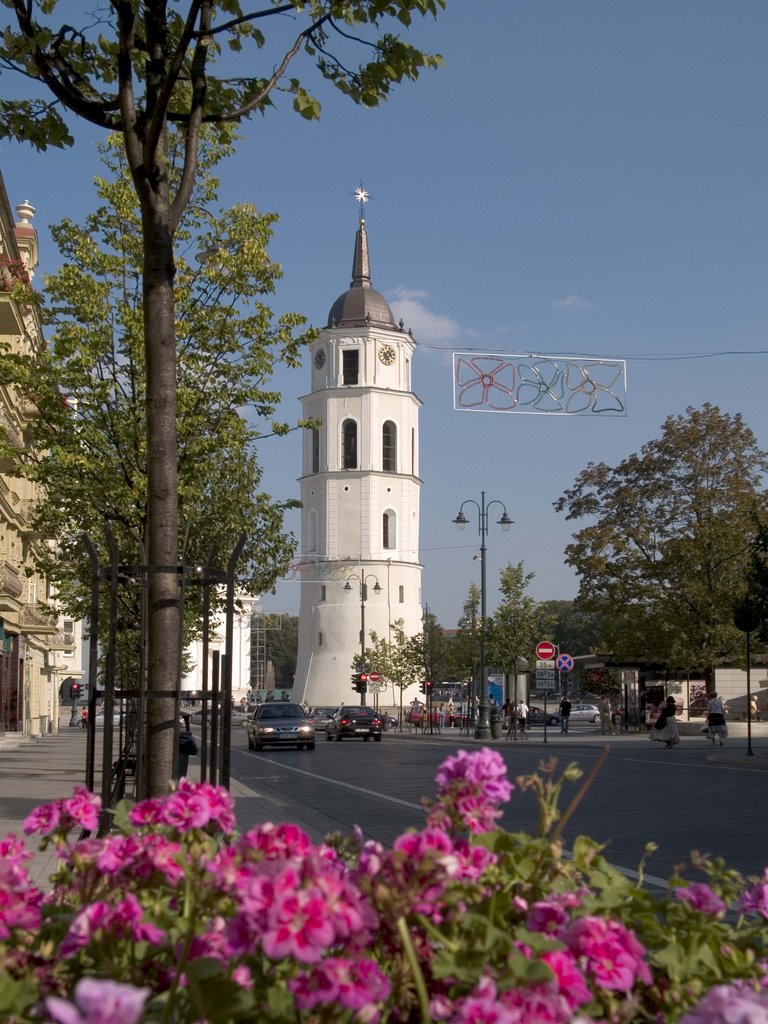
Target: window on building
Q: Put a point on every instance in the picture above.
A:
(350, 366)
(401, 594)
(312, 530)
(388, 531)
(389, 447)
(322, 591)
(319, 639)
(349, 445)
(315, 450)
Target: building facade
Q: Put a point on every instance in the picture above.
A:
(38, 648)
(360, 486)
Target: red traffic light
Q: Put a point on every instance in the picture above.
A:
(363, 677)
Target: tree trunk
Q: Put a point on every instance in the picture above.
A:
(164, 610)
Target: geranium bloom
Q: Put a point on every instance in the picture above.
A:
(99, 1001)
(119, 920)
(43, 819)
(83, 808)
(729, 1004)
(700, 897)
(612, 955)
(755, 899)
(470, 788)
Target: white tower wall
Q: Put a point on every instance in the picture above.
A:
(359, 491)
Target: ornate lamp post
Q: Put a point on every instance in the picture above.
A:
(483, 727)
(363, 578)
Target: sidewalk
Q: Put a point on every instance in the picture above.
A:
(36, 771)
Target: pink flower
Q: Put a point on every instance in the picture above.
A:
(43, 819)
(83, 808)
(568, 978)
(470, 788)
(198, 805)
(729, 1004)
(353, 984)
(99, 1001)
(612, 955)
(755, 899)
(121, 920)
(699, 896)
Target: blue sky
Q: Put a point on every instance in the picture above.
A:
(585, 176)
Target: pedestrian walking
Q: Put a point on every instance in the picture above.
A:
(522, 719)
(565, 714)
(615, 718)
(717, 728)
(604, 707)
(664, 729)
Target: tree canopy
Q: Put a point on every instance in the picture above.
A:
(665, 552)
(87, 445)
(138, 69)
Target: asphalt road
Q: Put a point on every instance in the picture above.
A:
(680, 799)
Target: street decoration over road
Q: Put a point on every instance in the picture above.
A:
(558, 385)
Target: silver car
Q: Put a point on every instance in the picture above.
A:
(280, 724)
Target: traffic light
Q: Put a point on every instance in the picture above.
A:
(426, 687)
(360, 682)
(75, 691)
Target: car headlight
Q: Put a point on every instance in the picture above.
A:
(306, 728)
(265, 728)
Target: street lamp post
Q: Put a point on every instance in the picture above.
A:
(483, 727)
(363, 577)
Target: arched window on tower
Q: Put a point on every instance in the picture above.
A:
(349, 445)
(312, 530)
(389, 530)
(315, 450)
(389, 447)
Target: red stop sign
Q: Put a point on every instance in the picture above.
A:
(374, 677)
(545, 651)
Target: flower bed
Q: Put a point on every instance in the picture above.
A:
(175, 917)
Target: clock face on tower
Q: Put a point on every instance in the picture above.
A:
(320, 358)
(387, 355)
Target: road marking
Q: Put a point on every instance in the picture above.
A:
(337, 782)
(660, 883)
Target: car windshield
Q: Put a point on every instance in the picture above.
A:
(289, 711)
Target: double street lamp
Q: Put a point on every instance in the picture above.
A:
(363, 578)
(483, 727)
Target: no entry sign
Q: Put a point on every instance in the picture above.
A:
(545, 651)
(374, 677)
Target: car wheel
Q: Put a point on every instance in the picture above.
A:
(553, 721)
(366, 738)
(250, 743)
(377, 739)
(256, 746)
(595, 719)
(328, 736)
(310, 746)
(338, 738)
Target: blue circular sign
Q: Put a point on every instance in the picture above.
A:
(565, 663)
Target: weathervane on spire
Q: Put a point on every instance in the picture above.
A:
(362, 197)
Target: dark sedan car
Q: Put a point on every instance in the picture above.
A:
(354, 722)
(536, 716)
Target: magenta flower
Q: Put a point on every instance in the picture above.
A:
(43, 819)
(755, 899)
(729, 1004)
(121, 920)
(353, 984)
(470, 788)
(99, 1001)
(699, 896)
(83, 808)
(568, 978)
(199, 805)
(611, 953)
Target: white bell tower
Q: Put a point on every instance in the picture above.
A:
(360, 485)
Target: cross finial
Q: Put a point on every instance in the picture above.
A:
(362, 197)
